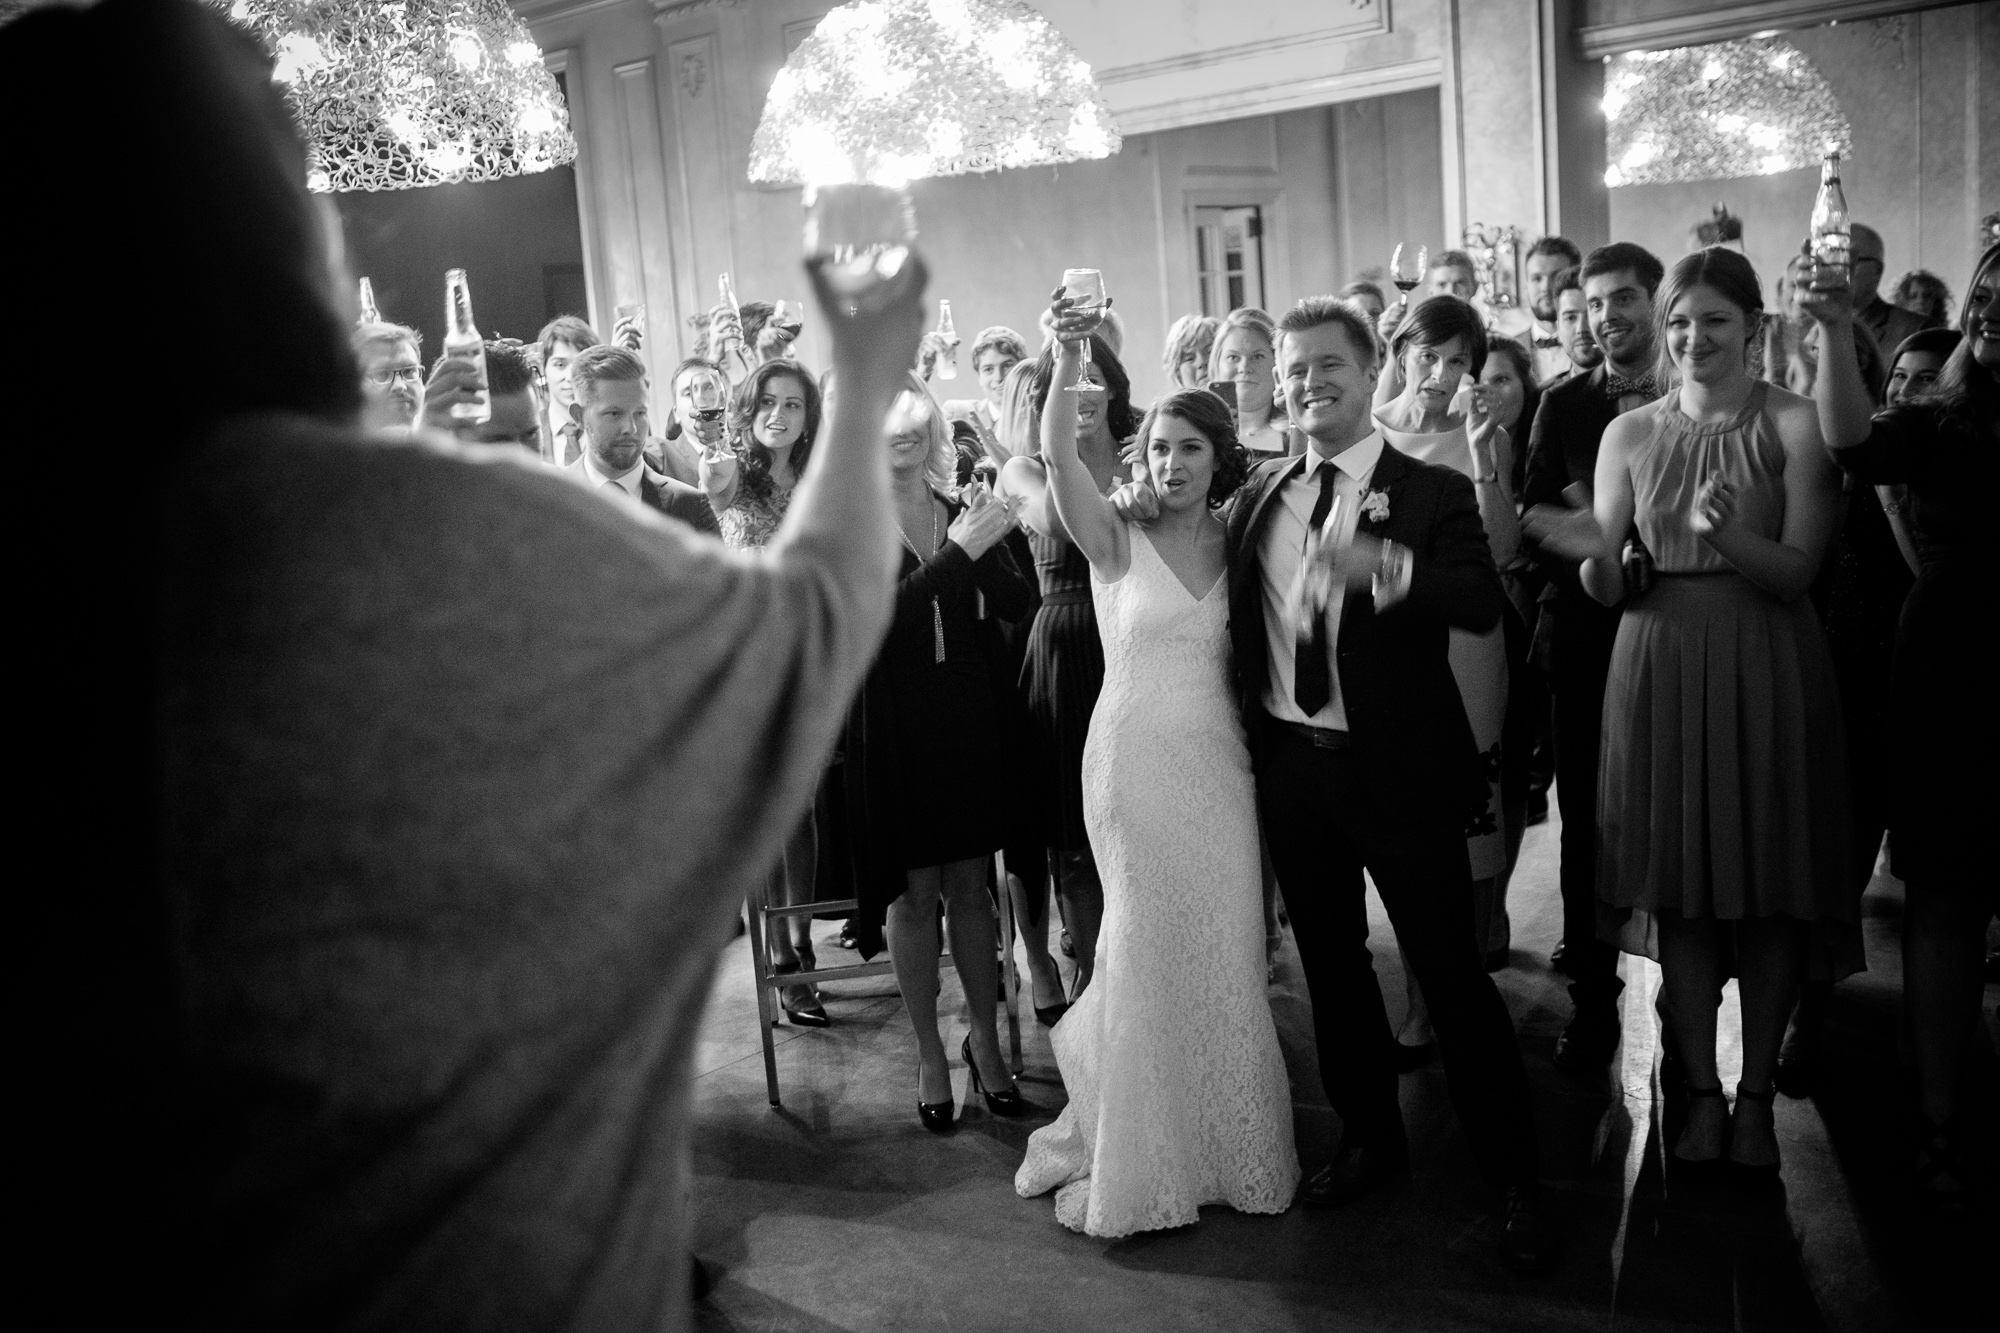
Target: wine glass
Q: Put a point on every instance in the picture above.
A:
(1406, 278)
(788, 317)
(1085, 289)
(860, 239)
(629, 331)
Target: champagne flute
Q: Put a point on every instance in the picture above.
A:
(1085, 289)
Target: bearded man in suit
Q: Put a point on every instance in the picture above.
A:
(609, 404)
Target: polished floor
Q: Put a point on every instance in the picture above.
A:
(838, 1211)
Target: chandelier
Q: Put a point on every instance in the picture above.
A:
(390, 96)
(885, 92)
(1720, 112)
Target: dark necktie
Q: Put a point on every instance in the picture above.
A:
(1312, 683)
(1542, 344)
(571, 449)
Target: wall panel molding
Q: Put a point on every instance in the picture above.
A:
(706, 194)
(568, 62)
(1726, 22)
(649, 271)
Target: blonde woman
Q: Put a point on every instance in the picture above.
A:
(927, 786)
(1243, 356)
(1190, 344)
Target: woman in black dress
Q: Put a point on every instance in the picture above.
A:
(1945, 447)
(1065, 666)
(926, 772)
(1859, 595)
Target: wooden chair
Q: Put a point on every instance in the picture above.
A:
(763, 916)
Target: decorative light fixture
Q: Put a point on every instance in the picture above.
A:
(1746, 108)
(885, 92)
(413, 92)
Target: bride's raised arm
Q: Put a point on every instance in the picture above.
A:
(1093, 524)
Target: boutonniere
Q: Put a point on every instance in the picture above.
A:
(1375, 506)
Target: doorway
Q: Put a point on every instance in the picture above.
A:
(1229, 257)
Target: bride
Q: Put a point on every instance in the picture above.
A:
(1178, 1095)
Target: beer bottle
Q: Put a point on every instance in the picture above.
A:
(947, 362)
(463, 343)
(1832, 240)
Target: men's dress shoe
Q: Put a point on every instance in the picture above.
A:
(1527, 1243)
(1353, 1172)
(1589, 1040)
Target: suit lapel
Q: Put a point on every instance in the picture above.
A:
(1246, 562)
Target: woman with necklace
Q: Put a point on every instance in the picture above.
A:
(1722, 799)
(1065, 667)
(927, 773)
(1438, 345)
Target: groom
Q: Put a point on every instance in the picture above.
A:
(1364, 759)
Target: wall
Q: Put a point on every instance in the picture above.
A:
(1920, 91)
(500, 232)
(1390, 183)
(1221, 103)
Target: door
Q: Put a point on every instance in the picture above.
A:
(1229, 257)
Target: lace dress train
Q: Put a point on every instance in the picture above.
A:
(1178, 1095)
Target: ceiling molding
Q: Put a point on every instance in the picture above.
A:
(1371, 20)
(1728, 22)
(666, 11)
(533, 12)
(1281, 95)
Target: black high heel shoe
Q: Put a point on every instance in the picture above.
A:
(936, 1116)
(1008, 1103)
(800, 1001)
(1750, 1170)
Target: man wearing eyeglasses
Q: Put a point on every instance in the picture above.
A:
(392, 376)
(1889, 324)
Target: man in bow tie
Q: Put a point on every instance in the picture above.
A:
(1618, 282)
(1548, 259)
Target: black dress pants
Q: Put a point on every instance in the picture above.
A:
(1580, 653)
(1325, 819)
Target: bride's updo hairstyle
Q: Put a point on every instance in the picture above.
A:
(1208, 414)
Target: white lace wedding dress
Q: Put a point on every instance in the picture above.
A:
(1177, 1090)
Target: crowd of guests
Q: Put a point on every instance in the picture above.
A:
(376, 699)
(1711, 647)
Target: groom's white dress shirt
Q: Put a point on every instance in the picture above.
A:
(1281, 548)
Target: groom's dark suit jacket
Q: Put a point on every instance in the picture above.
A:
(1404, 713)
